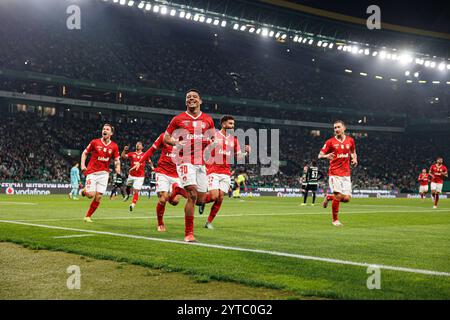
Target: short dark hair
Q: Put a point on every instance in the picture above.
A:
(193, 90)
(109, 125)
(226, 118)
(339, 121)
(314, 163)
(439, 158)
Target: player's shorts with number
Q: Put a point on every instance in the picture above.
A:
(340, 184)
(193, 174)
(97, 182)
(423, 189)
(436, 186)
(164, 182)
(218, 181)
(136, 182)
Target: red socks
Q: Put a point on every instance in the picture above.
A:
(214, 209)
(330, 197)
(436, 199)
(189, 225)
(135, 197)
(160, 213)
(92, 208)
(335, 209)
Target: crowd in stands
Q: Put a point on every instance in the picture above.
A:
(127, 47)
(34, 152)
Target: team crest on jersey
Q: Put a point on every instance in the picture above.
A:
(109, 151)
(347, 146)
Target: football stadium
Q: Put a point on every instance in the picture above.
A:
(224, 150)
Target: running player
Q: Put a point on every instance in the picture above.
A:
(423, 181)
(437, 172)
(219, 164)
(74, 181)
(97, 172)
(135, 177)
(193, 127)
(167, 180)
(312, 178)
(339, 150)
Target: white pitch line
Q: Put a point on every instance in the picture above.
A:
(74, 236)
(233, 215)
(216, 246)
(18, 203)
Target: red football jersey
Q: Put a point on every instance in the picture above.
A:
(423, 179)
(223, 154)
(166, 162)
(340, 164)
(135, 157)
(437, 173)
(101, 155)
(193, 134)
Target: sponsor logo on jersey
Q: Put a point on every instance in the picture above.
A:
(194, 136)
(342, 155)
(103, 158)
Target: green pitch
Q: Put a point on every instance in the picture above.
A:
(266, 242)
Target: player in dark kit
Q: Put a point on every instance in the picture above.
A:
(117, 184)
(311, 181)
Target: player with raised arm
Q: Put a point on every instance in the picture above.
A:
(102, 151)
(219, 166)
(423, 181)
(437, 172)
(189, 132)
(339, 150)
(167, 180)
(135, 177)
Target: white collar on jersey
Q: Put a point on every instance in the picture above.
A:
(345, 137)
(193, 116)
(106, 144)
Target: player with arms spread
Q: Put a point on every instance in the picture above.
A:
(219, 166)
(188, 132)
(437, 172)
(167, 180)
(423, 181)
(102, 151)
(135, 177)
(339, 150)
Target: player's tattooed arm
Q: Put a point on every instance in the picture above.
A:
(354, 159)
(83, 161)
(117, 165)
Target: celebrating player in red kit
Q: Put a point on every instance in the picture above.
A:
(188, 132)
(423, 181)
(167, 179)
(339, 150)
(135, 177)
(219, 164)
(437, 172)
(97, 172)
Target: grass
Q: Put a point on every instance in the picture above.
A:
(394, 232)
